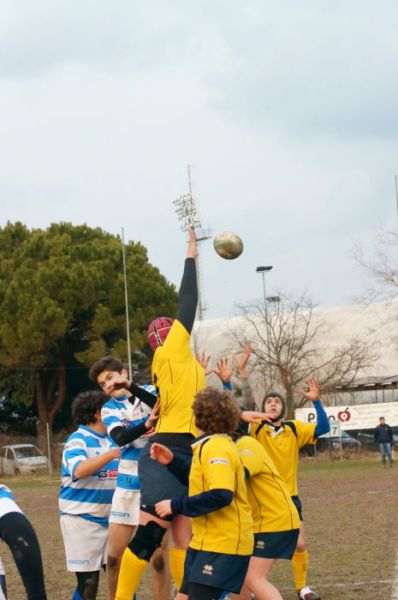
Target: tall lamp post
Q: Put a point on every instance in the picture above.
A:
(263, 270)
(188, 215)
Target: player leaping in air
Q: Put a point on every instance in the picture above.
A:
(178, 377)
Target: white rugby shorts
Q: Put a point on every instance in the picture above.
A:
(86, 543)
(125, 508)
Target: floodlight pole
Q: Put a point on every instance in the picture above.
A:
(263, 270)
(126, 302)
(188, 215)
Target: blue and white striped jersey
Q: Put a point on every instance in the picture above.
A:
(7, 502)
(120, 412)
(89, 497)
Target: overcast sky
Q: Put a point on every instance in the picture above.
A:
(286, 110)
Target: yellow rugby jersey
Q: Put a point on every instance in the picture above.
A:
(178, 377)
(272, 506)
(216, 465)
(283, 448)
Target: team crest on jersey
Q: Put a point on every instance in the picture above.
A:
(260, 545)
(215, 461)
(207, 570)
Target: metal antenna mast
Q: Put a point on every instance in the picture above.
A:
(188, 215)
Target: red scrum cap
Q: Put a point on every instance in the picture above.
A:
(158, 331)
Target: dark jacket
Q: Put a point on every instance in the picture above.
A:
(383, 434)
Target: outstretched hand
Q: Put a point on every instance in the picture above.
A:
(241, 360)
(192, 247)
(153, 417)
(163, 508)
(254, 416)
(161, 454)
(203, 360)
(314, 391)
(224, 370)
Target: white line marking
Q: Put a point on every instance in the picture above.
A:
(394, 594)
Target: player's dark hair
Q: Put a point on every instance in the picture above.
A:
(107, 363)
(215, 411)
(85, 406)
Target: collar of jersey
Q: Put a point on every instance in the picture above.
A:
(100, 435)
(122, 398)
(207, 436)
(275, 432)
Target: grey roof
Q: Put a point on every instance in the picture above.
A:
(375, 323)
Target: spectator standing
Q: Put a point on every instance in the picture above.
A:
(383, 437)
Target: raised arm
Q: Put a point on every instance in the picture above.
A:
(241, 361)
(188, 293)
(313, 394)
(224, 372)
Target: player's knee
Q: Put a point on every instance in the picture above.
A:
(18, 534)
(147, 539)
(112, 562)
(158, 563)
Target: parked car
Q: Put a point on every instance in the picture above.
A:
(366, 439)
(21, 458)
(347, 441)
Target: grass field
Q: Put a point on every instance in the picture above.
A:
(351, 524)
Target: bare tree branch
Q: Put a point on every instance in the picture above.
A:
(381, 266)
(288, 345)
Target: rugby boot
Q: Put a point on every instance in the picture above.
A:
(307, 593)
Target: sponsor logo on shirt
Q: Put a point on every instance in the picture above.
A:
(111, 473)
(207, 570)
(223, 461)
(78, 562)
(246, 452)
